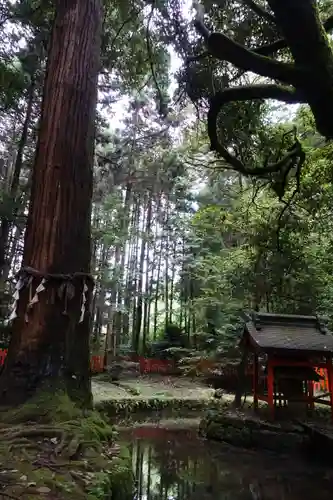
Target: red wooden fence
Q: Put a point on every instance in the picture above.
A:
(155, 365)
(97, 363)
(322, 385)
(164, 366)
(3, 354)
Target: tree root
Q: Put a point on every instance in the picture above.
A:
(8, 495)
(73, 447)
(62, 444)
(66, 451)
(30, 432)
(78, 478)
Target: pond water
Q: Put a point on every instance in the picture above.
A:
(171, 462)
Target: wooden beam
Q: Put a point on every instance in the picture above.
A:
(255, 381)
(270, 386)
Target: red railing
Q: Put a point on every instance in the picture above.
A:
(3, 354)
(96, 362)
(322, 385)
(149, 365)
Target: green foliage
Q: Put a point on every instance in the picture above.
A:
(12, 83)
(173, 332)
(116, 482)
(248, 250)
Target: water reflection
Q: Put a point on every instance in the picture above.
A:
(177, 465)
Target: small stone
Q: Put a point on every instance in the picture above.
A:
(23, 478)
(54, 440)
(43, 489)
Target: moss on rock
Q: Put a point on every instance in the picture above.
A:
(248, 431)
(129, 406)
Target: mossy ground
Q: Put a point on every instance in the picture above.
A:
(51, 449)
(151, 394)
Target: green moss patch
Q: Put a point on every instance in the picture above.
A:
(150, 394)
(124, 407)
(247, 430)
(149, 388)
(49, 448)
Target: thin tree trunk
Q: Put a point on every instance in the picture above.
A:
(172, 284)
(166, 275)
(50, 340)
(183, 301)
(150, 286)
(100, 299)
(12, 250)
(95, 267)
(146, 302)
(191, 322)
(127, 294)
(112, 342)
(6, 223)
(145, 236)
(157, 289)
(119, 318)
(135, 341)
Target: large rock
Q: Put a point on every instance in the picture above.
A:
(251, 432)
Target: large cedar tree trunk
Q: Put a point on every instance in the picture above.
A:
(48, 341)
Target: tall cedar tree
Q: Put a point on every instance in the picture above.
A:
(48, 343)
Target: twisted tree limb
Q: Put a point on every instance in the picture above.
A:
(311, 75)
(271, 48)
(225, 49)
(246, 93)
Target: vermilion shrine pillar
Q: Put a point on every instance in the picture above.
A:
(330, 380)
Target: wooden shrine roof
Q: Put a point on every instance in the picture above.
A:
(284, 332)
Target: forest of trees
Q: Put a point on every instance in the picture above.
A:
(186, 228)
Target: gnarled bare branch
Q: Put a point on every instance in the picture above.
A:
(246, 93)
(225, 49)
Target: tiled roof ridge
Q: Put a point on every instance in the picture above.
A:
(264, 318)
